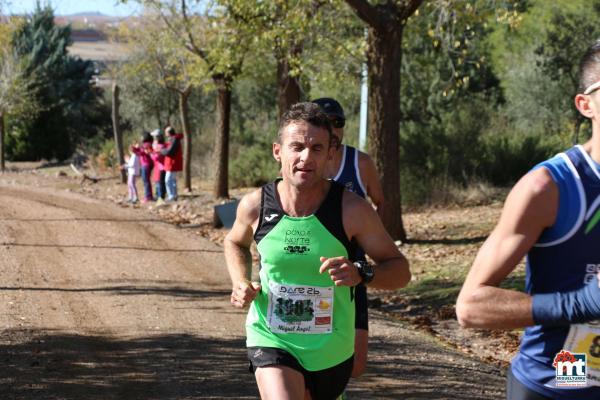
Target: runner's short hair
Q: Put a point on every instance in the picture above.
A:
(589, 67)
(307, 112)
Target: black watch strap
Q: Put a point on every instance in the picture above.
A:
(365, 270)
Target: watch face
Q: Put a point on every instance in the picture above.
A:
(365, 270)
(368, 272)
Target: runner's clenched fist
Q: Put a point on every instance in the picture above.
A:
(342, 271)
(243, 293)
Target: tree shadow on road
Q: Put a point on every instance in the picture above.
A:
(408, 368)
(448, 241)
(57, 365)
(107, 247)
(126, 290)
(81, 219)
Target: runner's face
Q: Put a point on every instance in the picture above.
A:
(303, 153)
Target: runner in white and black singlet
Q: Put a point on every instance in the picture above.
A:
(356, 171)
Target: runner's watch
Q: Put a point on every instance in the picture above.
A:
(365, 270)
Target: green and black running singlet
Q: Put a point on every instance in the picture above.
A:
(298, 309)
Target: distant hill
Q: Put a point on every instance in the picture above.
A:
(88, 19)
(86, 14)
(94, 21)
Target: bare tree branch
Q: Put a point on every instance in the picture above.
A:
(192, 43)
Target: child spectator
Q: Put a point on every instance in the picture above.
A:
(146, 165)
(133, 170)
(158, 174)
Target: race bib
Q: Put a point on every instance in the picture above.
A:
(585, 338)
(300, 309)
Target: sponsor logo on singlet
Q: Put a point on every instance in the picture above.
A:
(593, 222)
(297, 241)
(270, 218)
(591, 270)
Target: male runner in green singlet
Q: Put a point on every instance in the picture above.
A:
(300, 326)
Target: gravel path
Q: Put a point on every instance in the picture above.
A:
(99, 301)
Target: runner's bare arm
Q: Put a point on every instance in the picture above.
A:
(391, 267)
(237, 250)
(530, 207)
(370, 178)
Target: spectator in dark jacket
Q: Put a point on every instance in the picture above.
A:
(173, 161)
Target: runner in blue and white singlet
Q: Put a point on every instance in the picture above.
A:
(551, 216)
(356, 171)
(564, 258)
(349, 173)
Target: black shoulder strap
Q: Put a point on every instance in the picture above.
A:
(270, 211)
(331, 216)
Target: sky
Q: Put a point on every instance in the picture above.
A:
(66, 7)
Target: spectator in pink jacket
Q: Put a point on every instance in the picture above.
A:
(158, 173)
(146, 165)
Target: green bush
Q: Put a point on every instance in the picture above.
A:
(471, 143)
(70, 109)
(507, 158)
(254, 166)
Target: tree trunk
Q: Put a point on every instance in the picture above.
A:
(2, 163)
(384, 56)
(288, 87)
(221, 148)
(187, 139)
(117, 130)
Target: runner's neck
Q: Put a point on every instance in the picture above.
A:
(301, 202)
(592, 147)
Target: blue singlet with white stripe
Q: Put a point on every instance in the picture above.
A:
(564, 258)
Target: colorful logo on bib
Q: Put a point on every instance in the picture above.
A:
(324, 305)
(570, 369)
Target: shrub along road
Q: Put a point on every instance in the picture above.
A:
(104, 302)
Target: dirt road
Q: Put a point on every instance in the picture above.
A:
(103, 302)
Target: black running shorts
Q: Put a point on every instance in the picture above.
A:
(326, 384)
